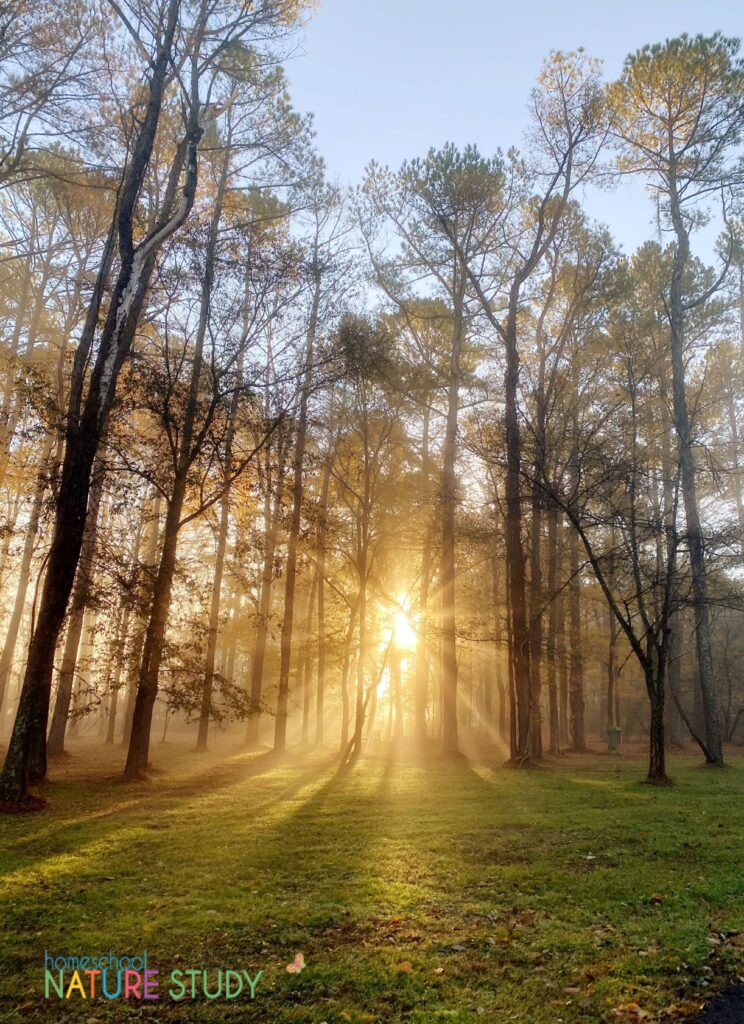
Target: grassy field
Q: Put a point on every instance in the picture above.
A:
(417, 892)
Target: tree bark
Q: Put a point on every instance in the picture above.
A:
(552, 638)
(421, 686)
(271, 534)
(576, 677)
(78, 605)
(696, 545)
(24, 570)
(26, 758)
(448, 506)
(282, 703)
(322, 541)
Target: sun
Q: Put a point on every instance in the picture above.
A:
(405, 634)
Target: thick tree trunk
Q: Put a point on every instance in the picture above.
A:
(147, 682)
(150, 564)
(655, 686)
(78, 605)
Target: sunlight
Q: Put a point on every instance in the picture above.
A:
(405, 634)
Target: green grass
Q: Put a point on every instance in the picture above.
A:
(545, 896)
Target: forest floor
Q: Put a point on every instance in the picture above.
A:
(417, 891)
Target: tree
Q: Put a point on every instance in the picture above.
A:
(677, 115)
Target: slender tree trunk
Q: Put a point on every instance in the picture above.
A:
(271, 534)
(219, 565)
(362, 651)
(576, 678)
(448, 507)
(282, 703)
(611, 671)
(24, 570)
(535, 626)
(322, 541)
(520, 651)
(345, 672)
(307, 661)
(118, 667)
(552, 639)
(696, 545)
(214, 619)
(421, 686)
(396, 701)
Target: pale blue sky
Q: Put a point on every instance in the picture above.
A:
(387, 79)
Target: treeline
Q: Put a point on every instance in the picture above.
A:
(431, 459)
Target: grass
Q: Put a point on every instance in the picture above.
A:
(418, 892)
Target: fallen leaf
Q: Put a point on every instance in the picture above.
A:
(405, 967)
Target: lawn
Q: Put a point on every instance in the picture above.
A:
(417, 891)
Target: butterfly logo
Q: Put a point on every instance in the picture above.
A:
(297, 964)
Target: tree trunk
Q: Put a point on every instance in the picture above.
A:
(307, 662)
(345, 672)
(150, 563)
(448, 506)
(551, 643)
(147, 682)
(576, 678)
(24, 571)
(698, 571)
(78, 605)
(219, 565)
(271, 534)
(421, 686)
(26, 758)
(322, 540)
(282, 702)
(535, 625)
(519, 633)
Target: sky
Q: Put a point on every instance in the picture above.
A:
(388, 79)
